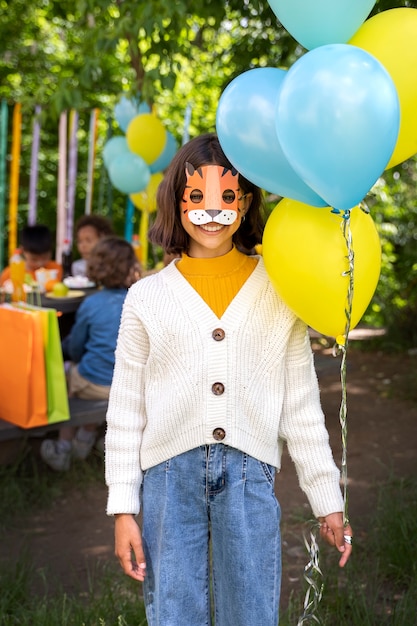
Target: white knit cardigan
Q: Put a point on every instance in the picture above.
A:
(167, 360)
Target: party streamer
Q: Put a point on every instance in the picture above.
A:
(61, 199)
(33, 183)
(14, 177)
(187, 122)
(130, 213)
(312, 572)
(91, 159)
(72, 173)
(4, 112)
(143, 237)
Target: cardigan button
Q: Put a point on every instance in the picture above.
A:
(217, 389)
(218, 334)
(219, 434)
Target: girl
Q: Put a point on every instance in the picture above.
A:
(213, 373)
(91, 343)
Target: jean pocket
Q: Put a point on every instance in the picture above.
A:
(269, 471)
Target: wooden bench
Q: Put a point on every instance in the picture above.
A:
(81, 411)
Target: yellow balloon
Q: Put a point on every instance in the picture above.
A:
(146, 200)
(146, 136)
(305, 254)
(391, 38)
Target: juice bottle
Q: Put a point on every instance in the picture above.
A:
(17, 275)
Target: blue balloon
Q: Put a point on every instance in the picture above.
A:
(166, 156)
(337, 121)
(129, 173)
(124, 111)
(143, 108)
(315, 23)
(245, 124)
(113, 148)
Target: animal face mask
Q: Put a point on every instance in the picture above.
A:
(211, 195)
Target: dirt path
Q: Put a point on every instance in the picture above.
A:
(68, 541)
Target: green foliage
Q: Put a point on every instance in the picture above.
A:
(393, 206)
(179, 56)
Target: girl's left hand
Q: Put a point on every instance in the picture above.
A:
(336, 534)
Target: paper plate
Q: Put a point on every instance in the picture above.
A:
(78, 282)
(72, 293)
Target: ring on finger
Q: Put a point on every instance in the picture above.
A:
(348, 539)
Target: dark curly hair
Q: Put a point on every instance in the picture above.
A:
(100, 223)
(112, 263)
(167, 230)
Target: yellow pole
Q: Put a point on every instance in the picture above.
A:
(14, 177)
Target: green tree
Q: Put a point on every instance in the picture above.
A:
(178, 56)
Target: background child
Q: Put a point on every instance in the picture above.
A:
(36, 244)
(88, 230)
(213, 373)
(91, 344)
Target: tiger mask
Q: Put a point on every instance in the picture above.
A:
(211, 194)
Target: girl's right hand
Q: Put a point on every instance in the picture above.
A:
(128, 540)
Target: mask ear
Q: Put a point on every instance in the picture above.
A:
(189, 169)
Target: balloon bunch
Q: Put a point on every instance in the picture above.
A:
(319, 135)
(135, 160)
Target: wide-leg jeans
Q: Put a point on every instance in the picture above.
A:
(211, 533)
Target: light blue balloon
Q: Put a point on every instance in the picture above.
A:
(166, 156)
(143, 108)
(337, 121)
(124, 111)
(129, 173)
(315, 23)
(113, 148)
(245, 124)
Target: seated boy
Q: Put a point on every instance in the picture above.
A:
(36, 245)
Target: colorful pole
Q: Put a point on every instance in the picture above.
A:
(130, 213)
(61, 193)
(4, 112)
(143, 236)
(91, 159)
(14, 177)
(187, 122)
(72, 173)
(33, 184)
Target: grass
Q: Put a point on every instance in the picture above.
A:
(379, 585)
(377, 588)
(111, 600)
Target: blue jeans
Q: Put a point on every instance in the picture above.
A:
(213, 504)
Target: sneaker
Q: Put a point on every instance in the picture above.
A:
(58, 460)
(81, 449)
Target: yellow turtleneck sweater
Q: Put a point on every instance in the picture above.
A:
(218, 280)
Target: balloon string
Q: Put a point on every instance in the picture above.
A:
(342, 346)
(312, 571)
(314, 579)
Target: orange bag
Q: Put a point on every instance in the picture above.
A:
(23, 392)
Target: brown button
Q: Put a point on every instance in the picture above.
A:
(217, 389)
(219, 434)
(218, 334)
